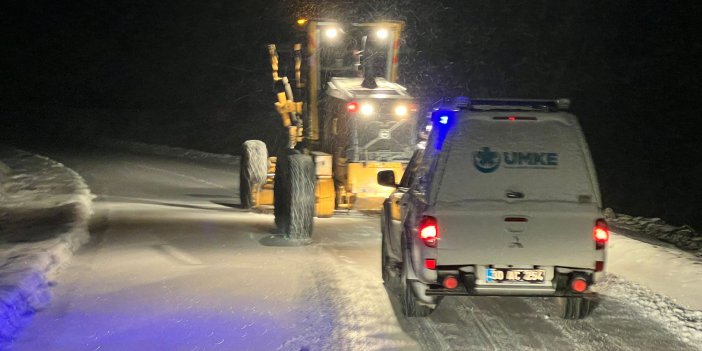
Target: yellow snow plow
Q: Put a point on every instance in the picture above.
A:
(346, 120)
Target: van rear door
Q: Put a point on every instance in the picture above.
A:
(516, 191)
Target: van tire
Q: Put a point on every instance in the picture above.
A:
(575, 307)
(253, 169)
(384, 260)
(411, 307)
(300, 196)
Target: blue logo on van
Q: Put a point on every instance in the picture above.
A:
(486, 160)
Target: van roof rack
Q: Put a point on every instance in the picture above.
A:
(559, 104)
(482, 104)
(502, 104)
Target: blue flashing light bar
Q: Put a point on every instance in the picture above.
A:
(442, 120)
(443, 117)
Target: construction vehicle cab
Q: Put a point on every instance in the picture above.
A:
(346, 120)
(366, 131)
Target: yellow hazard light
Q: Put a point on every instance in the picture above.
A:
(301, 21)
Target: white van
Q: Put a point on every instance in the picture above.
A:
(502, 201)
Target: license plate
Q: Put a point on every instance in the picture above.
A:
(510, 275)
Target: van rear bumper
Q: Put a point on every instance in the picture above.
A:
(512, 293)
(558, 287)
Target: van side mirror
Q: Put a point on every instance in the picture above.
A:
(387, 178)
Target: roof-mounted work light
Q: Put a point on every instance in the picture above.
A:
(382, 33)
(331, 32)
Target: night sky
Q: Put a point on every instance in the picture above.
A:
(195, 74)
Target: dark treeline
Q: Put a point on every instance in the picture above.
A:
(195, 74)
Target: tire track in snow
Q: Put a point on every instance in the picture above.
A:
(437, 338)
(491, 323)
(468, 314)
(185, 176)
(613, 325)
(364, 320)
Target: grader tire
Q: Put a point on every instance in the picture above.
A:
(300, 182)
(253, 170)
(281, 208)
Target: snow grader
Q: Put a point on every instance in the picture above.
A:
(345, 119)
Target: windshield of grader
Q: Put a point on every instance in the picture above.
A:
(383, 135)
(340, 56)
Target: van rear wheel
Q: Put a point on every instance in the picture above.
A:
(411, 307)
(384, 261)
(575, 307)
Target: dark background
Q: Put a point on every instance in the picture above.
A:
(195, 74)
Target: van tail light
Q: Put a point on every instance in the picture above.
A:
(578, 284)
(352, 106)
(601, 234)
(429, 231)
(450, 282)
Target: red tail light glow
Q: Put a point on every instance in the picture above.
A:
(352, 106)
(600, 234)
(450, 282)
(578, 285)
(429, 231)
(430, 263)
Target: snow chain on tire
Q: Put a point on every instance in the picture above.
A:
(294, 194)
(300, 195)
(252, 171)
(410, 305)
(575, 307)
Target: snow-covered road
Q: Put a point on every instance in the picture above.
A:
(174, 265)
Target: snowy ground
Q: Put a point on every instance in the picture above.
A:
(44, 211)
(175, 265)
(168, 151)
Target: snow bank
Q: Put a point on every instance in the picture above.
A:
(662, 280)
(684, 237)
(170, 151)
(665, 270)
(44, 213)
(685, 323)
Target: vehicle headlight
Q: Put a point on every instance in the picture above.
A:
(367, 109)
(401, 110)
